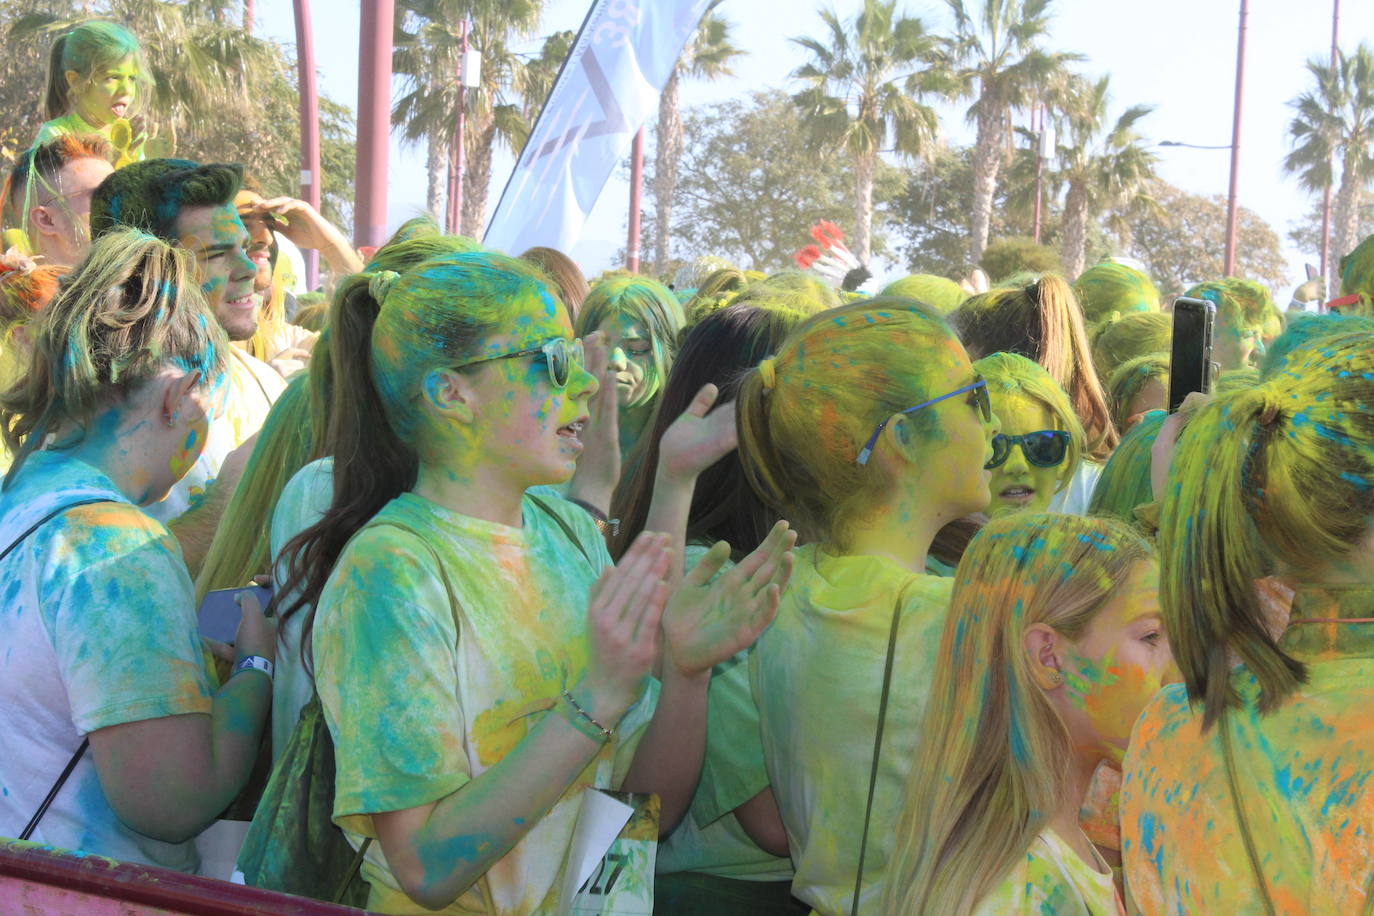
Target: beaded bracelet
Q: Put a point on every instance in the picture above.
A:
(583, 721)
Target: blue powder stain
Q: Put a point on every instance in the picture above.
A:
(1149, 827)
(1355, 480)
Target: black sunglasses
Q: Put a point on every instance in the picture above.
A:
(1043, 448)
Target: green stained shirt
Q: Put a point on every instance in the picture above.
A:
(817, 677)
(709, 839)
(422, 695)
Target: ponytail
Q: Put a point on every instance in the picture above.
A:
(372, 466)
(759, 458)
(1064, 352)
(57, 96)
(1214, 555)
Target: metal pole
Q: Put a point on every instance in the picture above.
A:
(1327, 292)
(636, 191)
(1229, 265)
(374, 121)
(310, 126)
(1038, 124)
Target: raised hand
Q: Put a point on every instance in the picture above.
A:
(698, 438)
(624, 612)
(598, 469)
(707, 622)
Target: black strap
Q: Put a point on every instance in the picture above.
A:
(567, 529)
(49, 517)
(32, 825)
(877, 752)
(352, 872)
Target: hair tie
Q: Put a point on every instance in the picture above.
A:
(1271, 412)
(768, 374)
(379, 284)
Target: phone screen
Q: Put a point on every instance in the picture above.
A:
(219, 613)
(1190, 360)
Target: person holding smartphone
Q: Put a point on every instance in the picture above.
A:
(101, 644)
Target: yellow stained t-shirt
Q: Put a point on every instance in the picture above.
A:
(1305, 771)
(817, 677)
(1051, 880)
(422, 695)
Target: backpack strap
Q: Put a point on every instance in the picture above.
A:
(877, 750)
(547, 509)
(32, 825)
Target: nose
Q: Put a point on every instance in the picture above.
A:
(581, 383)
(617, 359)
(1016, 462)
(243, 265)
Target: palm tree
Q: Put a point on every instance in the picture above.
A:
(1336, 119)
(427, 57)
(707, 56)
(994, 57)
(861, 80)
(1102, 172)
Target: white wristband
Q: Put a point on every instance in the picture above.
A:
(254, 663)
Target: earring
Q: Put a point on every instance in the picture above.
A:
(1057, 677)
(172, 419)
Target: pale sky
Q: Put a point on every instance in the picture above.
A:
(1179, 55)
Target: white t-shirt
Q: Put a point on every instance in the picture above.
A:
(303, 502)
(1074, 498)
(99, 629)
(241, 405)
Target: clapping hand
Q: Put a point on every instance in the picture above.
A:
(707, 622)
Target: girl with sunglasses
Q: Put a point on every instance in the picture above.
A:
(479, 661)
(869, 431)
(1037, 453)
(1052, 647)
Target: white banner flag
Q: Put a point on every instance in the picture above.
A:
(608, 87)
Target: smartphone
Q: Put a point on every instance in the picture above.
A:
(219, 613)
(1190, 360)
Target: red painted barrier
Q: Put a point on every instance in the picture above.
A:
(37, 879)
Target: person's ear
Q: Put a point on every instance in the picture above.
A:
(901, 437)
(450, 394)
(41, 219)
(72, 78)
(176, 397)
(1043, 647)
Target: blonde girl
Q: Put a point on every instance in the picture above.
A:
(1042, 322)
(476, 656)
(1243, 790)
(869, 431)
(641, 319)
(1038, 453)
(102, 670)
(1052, 647)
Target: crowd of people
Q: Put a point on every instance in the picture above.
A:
(906, 602)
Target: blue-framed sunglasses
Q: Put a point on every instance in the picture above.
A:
(559, 356)
(980, 399)
(1044, 448)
